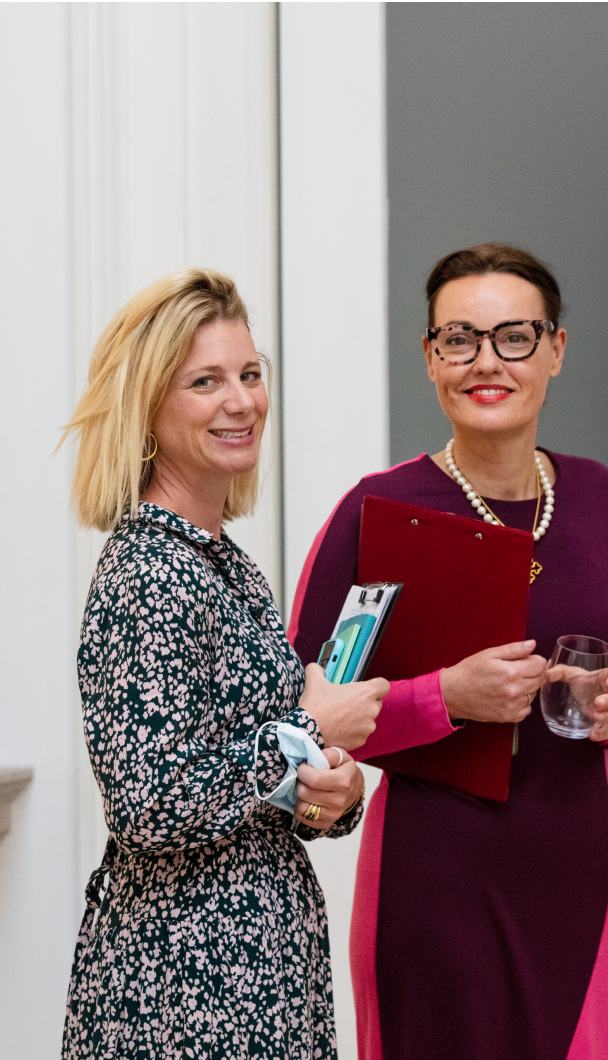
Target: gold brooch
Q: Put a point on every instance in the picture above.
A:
(535, 570)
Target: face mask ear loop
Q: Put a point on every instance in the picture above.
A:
(256, 745)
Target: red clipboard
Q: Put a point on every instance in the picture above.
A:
(465, 588)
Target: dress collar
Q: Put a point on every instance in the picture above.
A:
(149, 514)
(226, 556)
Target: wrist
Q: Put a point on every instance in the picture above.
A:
(305, 719)
(317, 714)
(448, 685)
(359, 799)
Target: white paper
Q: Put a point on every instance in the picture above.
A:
(352, 607)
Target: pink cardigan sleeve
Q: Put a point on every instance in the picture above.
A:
(413, 713)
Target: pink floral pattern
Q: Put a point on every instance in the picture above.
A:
(211, 939)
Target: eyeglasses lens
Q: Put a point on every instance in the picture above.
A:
(457, 345)
(517, 340)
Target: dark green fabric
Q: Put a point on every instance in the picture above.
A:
(211, 941)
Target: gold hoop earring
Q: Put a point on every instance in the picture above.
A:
(153, 454)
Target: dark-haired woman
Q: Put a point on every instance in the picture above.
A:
(478, 929)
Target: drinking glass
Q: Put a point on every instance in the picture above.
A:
(576, 675)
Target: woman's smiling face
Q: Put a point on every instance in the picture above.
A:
(491, 395)
(212, 417)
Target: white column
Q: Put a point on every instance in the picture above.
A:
(174, 163)
(232, 197)
(137, 138)
(334, 260)
(335, 321)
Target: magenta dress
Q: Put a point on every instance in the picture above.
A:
(479, 928)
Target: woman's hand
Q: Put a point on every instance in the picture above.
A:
(345, 714)
(599, 732)
(497, 684)
(584, 686)
(333, 790)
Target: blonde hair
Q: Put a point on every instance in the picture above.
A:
(131, 367)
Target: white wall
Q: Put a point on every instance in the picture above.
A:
(334, 322)
(38, 902)
(334, 260)
(174, 163)
(137, 138)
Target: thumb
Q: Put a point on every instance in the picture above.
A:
(519, 649)
(314, 673)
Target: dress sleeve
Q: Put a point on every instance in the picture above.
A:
(413, 712)
(145, 675)
(343, 826)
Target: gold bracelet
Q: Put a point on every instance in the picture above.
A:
(360, 798)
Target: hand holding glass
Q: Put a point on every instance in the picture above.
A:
(577, 674)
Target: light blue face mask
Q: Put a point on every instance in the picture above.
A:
(298, 747)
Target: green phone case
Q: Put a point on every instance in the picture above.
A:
(349, 636)
(365, 623)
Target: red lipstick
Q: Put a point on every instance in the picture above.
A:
(488, 394)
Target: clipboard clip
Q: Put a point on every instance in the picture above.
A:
(372, 592)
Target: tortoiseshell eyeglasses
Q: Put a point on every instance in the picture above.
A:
(513, 340)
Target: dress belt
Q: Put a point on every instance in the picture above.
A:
(93, 895)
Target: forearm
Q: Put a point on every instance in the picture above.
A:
(413, 713)
(212, 794)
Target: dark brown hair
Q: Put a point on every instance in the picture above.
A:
(495, 257)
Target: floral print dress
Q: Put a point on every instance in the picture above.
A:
(211, 939)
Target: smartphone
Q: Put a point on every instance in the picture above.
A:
(330, 656)
(364, 625)
(349, 635)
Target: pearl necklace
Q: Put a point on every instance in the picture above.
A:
(483, 509)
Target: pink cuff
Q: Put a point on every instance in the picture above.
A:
(413, 713)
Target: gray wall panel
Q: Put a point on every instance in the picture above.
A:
(498, 130)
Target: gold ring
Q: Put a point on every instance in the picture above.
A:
(313, 813)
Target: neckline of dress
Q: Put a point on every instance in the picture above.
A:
(497, 500)
(151, 514)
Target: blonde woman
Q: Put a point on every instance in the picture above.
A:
(211, 939)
